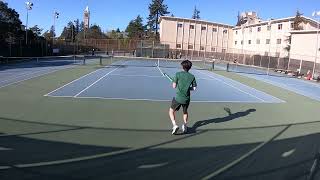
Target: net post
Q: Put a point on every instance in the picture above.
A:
(212, 65)
(228, 64)
(100, 60)
(84, 60)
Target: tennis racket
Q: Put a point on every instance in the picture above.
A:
(168, 77)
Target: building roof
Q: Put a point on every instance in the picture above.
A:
(193, 20)
(305, 31)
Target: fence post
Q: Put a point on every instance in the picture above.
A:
(300, 66)
(141, 43)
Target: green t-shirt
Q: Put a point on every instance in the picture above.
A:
(184, 81)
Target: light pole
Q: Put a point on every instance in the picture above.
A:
(29, 6)
(269, 53)
(55, 16)
(316, 14)
(242, 49)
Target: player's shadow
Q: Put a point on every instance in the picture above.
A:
(231, 116)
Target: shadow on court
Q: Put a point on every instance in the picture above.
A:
(231, 116)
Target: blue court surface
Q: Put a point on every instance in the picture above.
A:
(299, 86)
(16, 73)
(149, 83)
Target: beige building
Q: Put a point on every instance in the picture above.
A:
(254, 37)
(195, 36)
(268, 37)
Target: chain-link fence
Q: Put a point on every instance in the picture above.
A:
(264, 60)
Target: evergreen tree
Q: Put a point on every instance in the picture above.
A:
(135, 29)
(196, 13)
(157, 8)
(297, 21)
(10, 24)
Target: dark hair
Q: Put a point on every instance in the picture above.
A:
(186, 65)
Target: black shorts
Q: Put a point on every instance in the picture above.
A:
(176, 106)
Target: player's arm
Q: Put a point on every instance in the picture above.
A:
(174, 82)
(193, 85)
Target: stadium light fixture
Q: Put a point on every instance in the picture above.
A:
(29, 6)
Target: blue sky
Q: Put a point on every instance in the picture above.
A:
(111, 14)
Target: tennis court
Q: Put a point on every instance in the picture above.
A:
(108, 120)
(131, 81)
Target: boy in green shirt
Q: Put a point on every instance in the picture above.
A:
(183, 82)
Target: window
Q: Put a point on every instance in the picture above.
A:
(213, 49)
(278, 41)
(236, 32)
(214, 29)
(190, 46)
(241, 42)
(259, 29)
(225, 31)
(277, 54)
(201, 48)
(235, 43)
(267, 41)
(178, 45)
(203, 28)
(266, 53)
(258, 41)
(179, 25)
(292, 25)
(223, 50)
(268, 28)
(279, 26)
(249, 42)
(250, 30)
(191, 26)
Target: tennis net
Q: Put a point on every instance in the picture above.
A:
(44, 61)
(219, 65)
(152, 62)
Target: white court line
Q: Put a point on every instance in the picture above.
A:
(96, 156)
(72, 82)
(26, 74)
(33, 77)
(160, 71)
(95, 82)
(246, 155)
(159, 100)
(233, 86)
(5, 149)
(132, 75)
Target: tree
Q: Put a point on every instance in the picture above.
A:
(297, 21)
(157, 8)
(69, 32)
(135, 29)
(94, 32)
(196, 13)
(77, 26)
(49, 34)
(36, 30)
(10, 24)
(172, 15)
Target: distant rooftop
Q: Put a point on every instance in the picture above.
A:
(194, 20)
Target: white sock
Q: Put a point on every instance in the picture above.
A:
(174, 123)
